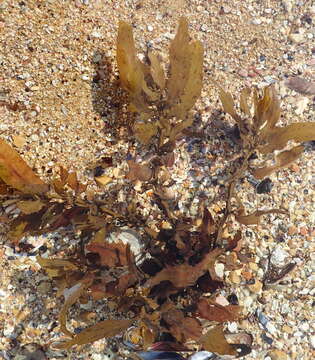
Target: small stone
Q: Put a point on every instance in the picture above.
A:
(253, 266)
(278, 355)
(296, 38)
(287, 329)
(34, 137)
(312, 341)
(243, 73)
(292, 230)
(252, 73)
(301, 105)
(219, 270)
(256, 287)
(234, 277)
(271, 328)
(303, 230)
(232, 327)
(85, 77)
(96, 34)
(97, 58)
(256, 21)
(64, 110)
(29, 84)
(269, 79)
(295, 168)
(204, 27)
(305, 326)
(247, 275)
(150, 28)
(226, 9)
(18, 141)
(221, 300)
(278, 256)
(267, 339)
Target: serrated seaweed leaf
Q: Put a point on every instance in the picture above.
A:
(245, 93)
(111, 254)
(255, 217)
(138, 171)
(71, 296)
(267, 110)
(17, 231)
(56, 267)
(179, 61)
(103, 329)
(181, 327)
(131, 75)
(30, 206)
(227, 102)
(15, 172)
(214, 312)
(278, 138)
(185, 275)
(130, 67)
(285, 158)
(214, 341)
(192, 89)
(186, 72)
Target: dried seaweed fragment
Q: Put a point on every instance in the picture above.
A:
(259, 131)
(15, 172)
(215, 341)
(103, 329)
(152, 95)
(185, 274)
(185, 81)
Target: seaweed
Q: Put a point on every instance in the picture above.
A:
(171, 289)
(162, 102)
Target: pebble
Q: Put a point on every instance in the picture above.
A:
(34, 137)
(262, 318)
(271, 328)
(312, 341)
(202, 355)
(266, 339)
(256, 287)
(278, 355)
(296, 38)
(232, 326)
(278, 256)
(97, 58)
(269, 79)
(256, 21)
(203, 27)
(96, 34)
(150, 28)
(219, 270)
(301, 105)
(234, 277)
(243, 73)
(64, 110)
